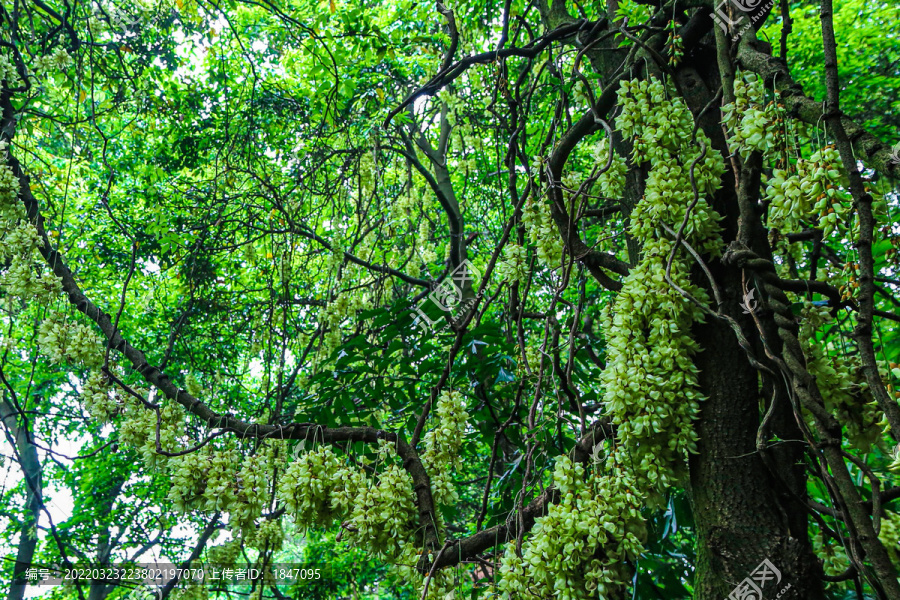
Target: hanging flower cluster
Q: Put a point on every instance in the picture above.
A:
(251, 492)
(579, 548)
(189, 477)
(894, 466)
(424, 245)
(59, 60)
(652, 393)
(222, 480)
(98, 400)
(378, 512)
(542, 232)
(383, 515)
(812, 194)
(832, 555)
(343, 307)
(514, 266)
(139, 430)
(753, 123)
(63, 341)
(268, 536)
(841, 381)
(441, 456)
(25, 277)
(890, 536)
(8, 73)
(308, 487)
(223, 555)
(611, 181)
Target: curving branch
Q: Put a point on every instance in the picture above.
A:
(467, 548)
(448, 74)
(596, 262)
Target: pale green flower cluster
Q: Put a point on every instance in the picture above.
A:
(424, 246)
(383, 515)
(62, 341)
(97, 399)
(832, 555)
(652, 393)
(655, 124)
(753, 123)
(192, 385)
(579, 549)
(813, 194)
(542, 232)
(378, 512)
(894, 467)
(308, 486)
(439, 588)
(441, 456)
(189, 475)
(269, 535)
(211, 480)
(8, 73)
(514, 265)
(251, 492)
(59, 60)
(841, 381)
(403, 205)
(11, 210)
(667, 196)
(368, 172)
(611, 181)
(224, 555)
(344, 306)
(890, 536)
(24, 277)
(139, 430)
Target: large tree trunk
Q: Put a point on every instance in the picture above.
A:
(743, 513)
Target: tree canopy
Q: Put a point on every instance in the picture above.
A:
(488, 299)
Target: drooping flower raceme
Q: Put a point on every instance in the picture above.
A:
(542, 232)
(64, 341)
(378, 512)
(841, 381)
(96, 394)
(652, 392)
(308, 485)
(753, 123)
(442, 444)
(812, 194)
(579, 548)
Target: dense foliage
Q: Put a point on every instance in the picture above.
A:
(483, 299)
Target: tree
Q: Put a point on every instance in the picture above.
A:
(548, 299)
